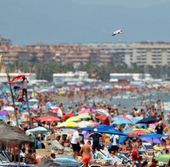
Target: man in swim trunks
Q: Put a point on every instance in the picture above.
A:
(86, 149)
(135, 155)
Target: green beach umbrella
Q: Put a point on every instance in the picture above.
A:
(163, 158)
(73, 119)
(83, 116)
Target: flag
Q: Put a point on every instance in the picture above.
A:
(0, 60)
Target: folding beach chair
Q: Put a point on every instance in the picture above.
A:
(6, 156)
(149, 150)
(57, 146)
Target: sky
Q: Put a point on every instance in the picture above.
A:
(127, 3)
(84, 21)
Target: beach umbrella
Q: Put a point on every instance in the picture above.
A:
(163, 158)
(99, 127)
(49, 119)
(153, 138)
(38, 130)
(138, 132)
(84, 124)
(11, 133)
(121, 117)
(104, 118)
(4, 113)
(129, 116)
(3, 118)
(124, 138)
(112, 131)
(83, 116)
(73, 119)
(68, 116)
(33, 100)
(86, 111)
(148, 120)
(122, 121)
(102, 112)
(67, 125)
(66, 161)
(19, 77)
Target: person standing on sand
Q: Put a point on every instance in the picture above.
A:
(86, 149)
(76, 143)
(135, 154)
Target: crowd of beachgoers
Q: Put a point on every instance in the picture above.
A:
(87, 131)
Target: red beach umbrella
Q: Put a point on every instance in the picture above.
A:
(18, 78)
(49, 119)
(68, 116)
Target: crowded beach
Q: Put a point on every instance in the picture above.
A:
(84, 125)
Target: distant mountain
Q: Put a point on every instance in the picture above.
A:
(57, 21)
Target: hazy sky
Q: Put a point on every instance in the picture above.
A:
(127, 3)
(84, 21)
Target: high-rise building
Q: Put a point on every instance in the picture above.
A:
(149, 53)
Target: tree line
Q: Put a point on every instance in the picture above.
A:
(44, 71)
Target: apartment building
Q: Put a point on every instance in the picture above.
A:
(4, 41)
(149, 53)
(121, 52)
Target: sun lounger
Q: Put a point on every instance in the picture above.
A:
(6, 156)
(101, 156)
(57, 146)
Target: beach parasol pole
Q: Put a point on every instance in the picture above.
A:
(19, 165)
(8, 77)
(26, 96)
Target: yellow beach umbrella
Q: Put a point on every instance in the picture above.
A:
(67, 125)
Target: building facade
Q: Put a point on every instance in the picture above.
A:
(148, 53)
(4, 41)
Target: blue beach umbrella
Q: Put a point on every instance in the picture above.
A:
(124, 138)
(148, 120)
(112, 131)
(66, 161)
(3, 118)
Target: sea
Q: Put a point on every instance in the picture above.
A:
(129, 101)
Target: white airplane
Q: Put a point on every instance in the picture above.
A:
(117, 32)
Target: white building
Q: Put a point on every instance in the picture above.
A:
(115, 77)
(71, 78)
